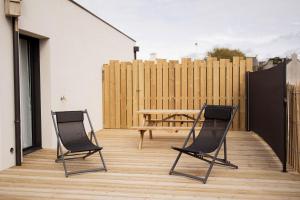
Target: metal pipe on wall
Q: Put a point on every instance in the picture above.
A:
(15, 30)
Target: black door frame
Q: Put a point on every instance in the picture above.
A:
(34, 62)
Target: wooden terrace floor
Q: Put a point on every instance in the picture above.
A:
(135, 174)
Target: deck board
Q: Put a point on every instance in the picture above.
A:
(143, 174)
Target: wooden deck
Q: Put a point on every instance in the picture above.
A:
(135, 174)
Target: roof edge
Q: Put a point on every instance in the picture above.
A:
(80, 6)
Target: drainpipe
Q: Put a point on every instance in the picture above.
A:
(12, 9)
(17, 89)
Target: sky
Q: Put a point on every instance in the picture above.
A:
(173, 29)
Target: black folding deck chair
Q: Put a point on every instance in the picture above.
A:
(217, 121)
(71, 133)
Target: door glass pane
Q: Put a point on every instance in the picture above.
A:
(25, 95)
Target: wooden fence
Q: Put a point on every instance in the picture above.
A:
(161, 84)
(294, 127)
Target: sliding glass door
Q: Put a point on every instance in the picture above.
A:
(25, 95)
(30, 94)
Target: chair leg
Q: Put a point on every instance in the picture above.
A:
(225, 150)
(67, 174)
(150, 134)
(102, 159)
(57, 150)
(141, 139)
(209, 170)
(62, 157)
(175, 163)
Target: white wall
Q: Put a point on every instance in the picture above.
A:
(73, 47)
(6, 91)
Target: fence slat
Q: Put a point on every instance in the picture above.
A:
(153, 92)
(141, 90)
(159, 88)
(249, 64)
(190, 83)
(112, 94)
(172, 86)
(129, 95)
(165, 87)
(135, 92)
(222, 81)
(184, 85)
(197, 84)
(123, 95)
(178, 89)
(147, 85)
(106, 115)
(203, 81)
(209, 79)
(235, 90)
(294, 126)
(242, 85)
(118, 94)
(216, 83)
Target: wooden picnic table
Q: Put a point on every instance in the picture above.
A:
(150, 124)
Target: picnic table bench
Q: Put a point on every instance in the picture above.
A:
(150, 124)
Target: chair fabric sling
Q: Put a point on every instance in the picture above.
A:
(217, 120)
(71, 134)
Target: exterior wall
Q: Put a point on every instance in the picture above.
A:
(73, 47)
(6, 92)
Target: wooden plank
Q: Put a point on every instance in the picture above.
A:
(153, 101)
(184, 85)
(123, 100)
(222, 82)
(249, 64)
(196, 83)
(177, 88)
(229, 94)
(141, 89)
(190, 83)
(172, 64)
(159, 87)
(112, 94)
(135, 92)
(174, 128)
(169, 112)
(209, 79)
(165, 87)
(296, 129)
(235, 90)
(129, 95)
(106, 97)
(147, 85)
(203, 82)
(118, 94)
(242, 85)
(216, 82)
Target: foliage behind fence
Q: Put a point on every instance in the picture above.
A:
(161, 84)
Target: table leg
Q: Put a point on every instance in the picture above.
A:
(150, 134)
(150, 124)
(141, 139)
